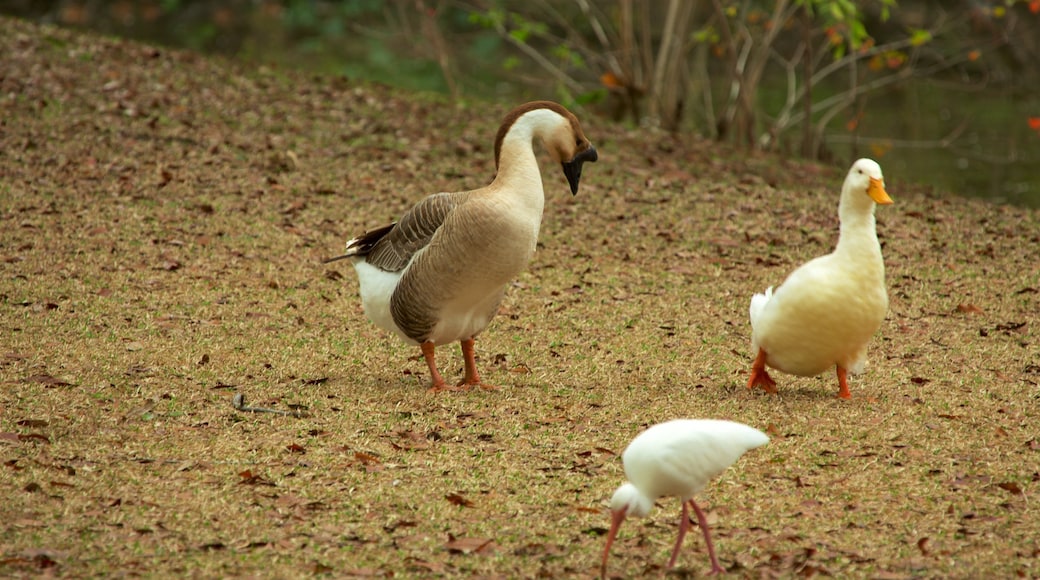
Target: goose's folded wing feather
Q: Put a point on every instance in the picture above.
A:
(395, 247)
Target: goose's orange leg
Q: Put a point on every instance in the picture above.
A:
(843, 383)
(759, 377)
(438, 383)
(472, 378)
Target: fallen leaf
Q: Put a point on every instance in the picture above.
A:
(458, 500)
(922, 545)
(32, 423)
(249, 478)
(969, 309)
(1011, 326)
(470, 545)
(1011, 487)
(48, 380)
(294, 448)
(435, 567)
(390, 528)
(365, 457)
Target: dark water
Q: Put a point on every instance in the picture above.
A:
(968, 140)
(975, 143)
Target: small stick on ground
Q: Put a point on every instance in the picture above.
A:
(239, 403)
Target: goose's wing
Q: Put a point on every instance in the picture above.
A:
(393, 246)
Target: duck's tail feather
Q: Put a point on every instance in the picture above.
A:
(758, 304)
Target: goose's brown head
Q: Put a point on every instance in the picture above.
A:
(559, 130)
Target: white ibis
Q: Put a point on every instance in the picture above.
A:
(825, 312)
(438, 274)
(678, 458)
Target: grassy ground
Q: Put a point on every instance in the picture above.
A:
(162, 224)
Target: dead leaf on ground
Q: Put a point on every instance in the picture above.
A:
(1011, 487)
(969, 309)
(250, 478)
(435, 567)
(470, 545)
(48, 380)
(458, 500)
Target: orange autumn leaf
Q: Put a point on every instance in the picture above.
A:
(610, 80)
(852, 124)
(881, 148)
(1034, 6)
(974, 55)
(969, 309)
(1034, 122)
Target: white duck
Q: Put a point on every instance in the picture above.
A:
(826, 311)
(438, 274)
(677, 458)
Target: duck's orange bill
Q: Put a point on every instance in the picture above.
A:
(876, 191)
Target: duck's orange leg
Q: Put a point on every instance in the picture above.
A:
(472, 378)
(438, 383)
(843, 383)
(759, 376)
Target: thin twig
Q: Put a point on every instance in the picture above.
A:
(239, 403)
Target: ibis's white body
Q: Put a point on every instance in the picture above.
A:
(678, 458)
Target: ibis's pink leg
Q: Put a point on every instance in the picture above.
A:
(616, 518)
(843, 383)
(703, 521)
(684, 525)
(759, 376)
(472, 377)
(438, 381)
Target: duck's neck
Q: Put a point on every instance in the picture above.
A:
(858, 233)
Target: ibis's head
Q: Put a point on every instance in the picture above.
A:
(627, 501)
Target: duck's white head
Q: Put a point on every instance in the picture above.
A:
(557, 128)
(865, 180)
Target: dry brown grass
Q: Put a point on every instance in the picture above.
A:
(163, 221)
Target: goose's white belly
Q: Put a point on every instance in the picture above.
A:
(376, 287)
(464, 316)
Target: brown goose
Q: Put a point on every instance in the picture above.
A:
(438, 274)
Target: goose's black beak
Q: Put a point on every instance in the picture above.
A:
(572, 168)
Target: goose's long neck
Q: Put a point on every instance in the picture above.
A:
(518, 173)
